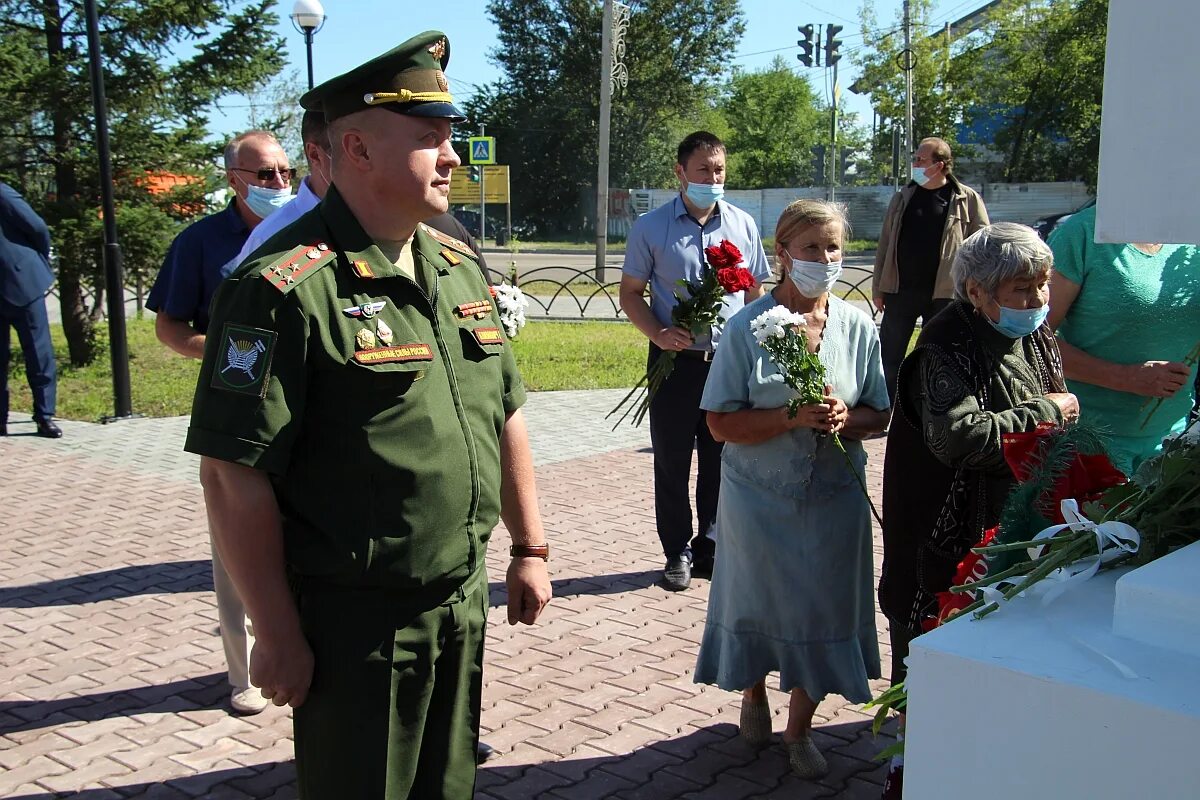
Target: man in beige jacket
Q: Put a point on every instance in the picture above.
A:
(926, 222)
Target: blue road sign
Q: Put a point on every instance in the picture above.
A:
(483, 149)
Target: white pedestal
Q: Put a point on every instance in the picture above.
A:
(1024, 704)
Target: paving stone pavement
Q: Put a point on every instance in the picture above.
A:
(112, 676)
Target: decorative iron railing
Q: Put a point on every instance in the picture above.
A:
(568, 294)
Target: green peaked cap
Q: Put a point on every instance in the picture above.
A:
(408, 79)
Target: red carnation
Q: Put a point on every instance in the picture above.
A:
(735, 279)
(492, 291)
(723, 255)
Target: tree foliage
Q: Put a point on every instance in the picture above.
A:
(1041, 63)
(165, 63)
(773, 119)
(938, 104)
(544, 111)
(1028, 78)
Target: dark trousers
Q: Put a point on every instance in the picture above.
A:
(393, 712)
(677, 427)
(900, 314)
(33, 332)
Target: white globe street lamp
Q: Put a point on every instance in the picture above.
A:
(308, 16)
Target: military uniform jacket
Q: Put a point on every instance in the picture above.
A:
(375, 403)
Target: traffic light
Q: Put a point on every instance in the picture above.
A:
(806, 45)
(473, 174)
(831, 44)
(844, 163)
(818, 164)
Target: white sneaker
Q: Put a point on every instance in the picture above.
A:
(248, 701)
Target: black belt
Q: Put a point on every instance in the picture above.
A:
(698, 355)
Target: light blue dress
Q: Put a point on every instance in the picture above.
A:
(793, 589)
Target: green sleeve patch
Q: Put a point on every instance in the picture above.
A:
(245, 366)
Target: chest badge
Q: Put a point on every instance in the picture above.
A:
(364, 339)
(362, 269)
(366, 310)
(383, 332)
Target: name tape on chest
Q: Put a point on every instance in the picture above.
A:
(400, 352)
(299, 264)
(488, 336)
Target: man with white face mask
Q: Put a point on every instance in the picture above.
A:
(314, 133)
(926, 222)
(665, 246)
(201, 256)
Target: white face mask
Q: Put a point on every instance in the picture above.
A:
(812, 278)
(918, 175)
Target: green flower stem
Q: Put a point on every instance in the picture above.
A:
(625, 400)
(1060, 558)
(988, 580)
(837, 440)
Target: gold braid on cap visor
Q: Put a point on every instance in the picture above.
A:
(405, 96)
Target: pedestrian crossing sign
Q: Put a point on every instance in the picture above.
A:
(483, 149)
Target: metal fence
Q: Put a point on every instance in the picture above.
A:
(566, 294)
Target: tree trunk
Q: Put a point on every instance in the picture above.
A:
(78, 326)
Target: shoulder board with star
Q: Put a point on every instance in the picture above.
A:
(448, 241)
(296, 265)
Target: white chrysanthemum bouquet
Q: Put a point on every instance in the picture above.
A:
(511, 304)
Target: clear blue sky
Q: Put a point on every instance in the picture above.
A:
(356, 30)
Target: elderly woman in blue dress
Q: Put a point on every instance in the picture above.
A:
(792, 591)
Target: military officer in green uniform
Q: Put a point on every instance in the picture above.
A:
(358, 415)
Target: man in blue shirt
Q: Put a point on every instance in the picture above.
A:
(204, 252)
(198, 260)
(665, 246)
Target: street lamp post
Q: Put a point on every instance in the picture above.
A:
(113, 273)
(308, 16)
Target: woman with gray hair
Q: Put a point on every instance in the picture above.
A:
(985, 366)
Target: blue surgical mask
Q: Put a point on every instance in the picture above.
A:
(264, 202)
(918, 175)
(812, 278)
(1017, 322)
(705, 195)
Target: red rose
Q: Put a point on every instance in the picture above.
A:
(723, 255)
(735, 279)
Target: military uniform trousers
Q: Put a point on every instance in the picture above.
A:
(393, 712)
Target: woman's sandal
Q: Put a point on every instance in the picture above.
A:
(755, 725)
(805, 759)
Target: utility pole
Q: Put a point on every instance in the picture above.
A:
(907, 65)
(832, 57)
(613, 73)
(605, 121)
(482, 201)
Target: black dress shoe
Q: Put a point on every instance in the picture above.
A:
(483, 751)
(678, 573)
(47, 428)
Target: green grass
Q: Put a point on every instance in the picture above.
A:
(580, 355)
(552, 355)
(161, 382)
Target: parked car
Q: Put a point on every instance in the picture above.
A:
(1046, 225)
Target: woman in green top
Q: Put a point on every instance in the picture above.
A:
(1128, 324)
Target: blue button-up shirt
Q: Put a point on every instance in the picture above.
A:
(667, 245)
(201, 256)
